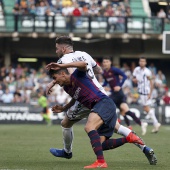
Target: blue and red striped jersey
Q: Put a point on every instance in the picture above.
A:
(112, 77)
(83, 89)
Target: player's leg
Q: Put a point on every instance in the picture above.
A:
(150, 111)
(102, 118)
(67, 131)
(125, 109)
(93, 123)
(149, 153)
(117, 98)
(73, 115)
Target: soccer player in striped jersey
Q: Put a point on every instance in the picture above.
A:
(111, 76)
(76, 111)
(143, 77)
(102, 118)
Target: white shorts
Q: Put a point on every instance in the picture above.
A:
(144, 101)
(77, 112)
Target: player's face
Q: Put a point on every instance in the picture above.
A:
(59, 79)
(59, 50)
(142, 63)
(106, 64)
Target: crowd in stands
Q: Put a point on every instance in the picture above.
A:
(116, 10)
(73, 7)
(22, 84)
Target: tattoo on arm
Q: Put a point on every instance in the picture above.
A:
(97, 70)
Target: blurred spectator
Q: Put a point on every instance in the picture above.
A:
(1, 91)
(66, 3)
(125, 67)
(153, 69)
(128, 82)
(133, 66)
(7, 97)
(166, 97)
(41, 9)
(16, 9)
(160, 77)
(18, 71)
(161, 15)
(62, 97)
(17, 97)
(2, 75)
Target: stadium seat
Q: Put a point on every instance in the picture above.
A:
(103, 24)
(85, 25)
(27, 23)
(147, 25)
(1, 17)
(94, 24)
(40, 24)
(137, 25)
(60, 24)
(2, 23)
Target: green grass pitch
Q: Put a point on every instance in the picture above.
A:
(26, 147)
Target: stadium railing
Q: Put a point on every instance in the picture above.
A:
(83, 24)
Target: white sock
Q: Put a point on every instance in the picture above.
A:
(68, 139)
(124, 131)
(140, 146)
(151, 113)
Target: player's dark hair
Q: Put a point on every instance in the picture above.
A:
(106, 58)
(64, 40)
(142, 57)
(52, 72)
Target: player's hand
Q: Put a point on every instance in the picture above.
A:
(117, 88)
(57, 109)
(53, 66)
(48, 88)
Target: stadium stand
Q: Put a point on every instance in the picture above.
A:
(137, 8)
(8, 11)
(79, 16)
(2, 20)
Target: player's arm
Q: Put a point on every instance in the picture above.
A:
(59, 109)
(97, 69)
(81, 65)
(49, 87)
(120, 73)
(105, 83)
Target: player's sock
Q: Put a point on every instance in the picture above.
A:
(126, 120)
(124, 131)
(67, 139)
(46, 118)
(113, 143)
(131, 114)
(96, 145)
(151, 113)
(140, 146)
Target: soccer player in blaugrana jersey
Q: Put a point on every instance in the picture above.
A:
(102, 118)
(111, 76)
(74, 110)
(143, 77)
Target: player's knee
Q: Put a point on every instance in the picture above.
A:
(87, 128)
(65, 124)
